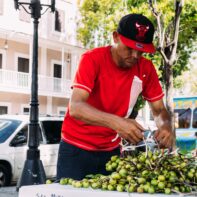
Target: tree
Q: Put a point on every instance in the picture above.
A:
(175, 37)
(168, 36)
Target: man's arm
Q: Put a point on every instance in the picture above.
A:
(79, 109)
(164, 135)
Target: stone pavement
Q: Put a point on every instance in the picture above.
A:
(8, 191)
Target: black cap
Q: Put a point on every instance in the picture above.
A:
(137, 31)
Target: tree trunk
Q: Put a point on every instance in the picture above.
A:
(169, 97)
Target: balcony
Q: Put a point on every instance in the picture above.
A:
(20, 82)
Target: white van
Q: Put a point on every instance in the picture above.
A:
(14, 145)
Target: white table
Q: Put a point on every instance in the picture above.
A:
(57, 190)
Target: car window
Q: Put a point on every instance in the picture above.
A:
(21, 137)
(184, 117)
(7, 127)
(52, 131)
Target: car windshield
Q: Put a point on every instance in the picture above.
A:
(7, 127)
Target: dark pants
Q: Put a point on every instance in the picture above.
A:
(76, 163)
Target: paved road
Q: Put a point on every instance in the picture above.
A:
(8, 192)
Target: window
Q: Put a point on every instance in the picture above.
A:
(62, 113)
(52, 131)
(184, 117)
(3, 110)
(7, 127)
(26, 110)
(194, 122)
(21, 137)
(23, 65)
(59, 20)
(57, 71)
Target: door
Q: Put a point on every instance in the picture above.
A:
(23, 72)
(49, 150)
(57, 74)
(19, 143)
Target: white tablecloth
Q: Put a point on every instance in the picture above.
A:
(57, 190)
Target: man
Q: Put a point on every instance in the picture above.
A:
(106, 86)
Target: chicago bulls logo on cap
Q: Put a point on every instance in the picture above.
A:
(142, 29)
(136, 31)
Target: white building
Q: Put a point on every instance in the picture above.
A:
(58, 57)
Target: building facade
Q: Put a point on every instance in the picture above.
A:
(58, 56)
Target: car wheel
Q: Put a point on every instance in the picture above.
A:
(5, 176)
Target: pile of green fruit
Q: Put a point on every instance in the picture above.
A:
(144, 173)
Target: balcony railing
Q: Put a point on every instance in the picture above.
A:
(12, 81)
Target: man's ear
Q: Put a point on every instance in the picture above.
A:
(115, 37)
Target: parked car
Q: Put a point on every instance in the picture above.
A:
(14, 145)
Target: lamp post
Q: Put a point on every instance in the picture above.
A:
(33, 170)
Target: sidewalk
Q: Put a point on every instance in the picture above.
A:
(8, 191)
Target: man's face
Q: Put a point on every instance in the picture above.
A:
(125, 57)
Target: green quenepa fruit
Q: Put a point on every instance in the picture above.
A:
(161, 178)
(123, 172)
(115, 175)
(120, 188)
(104, 186)
(85, 184)
(141, 180)
(182, 189)
(172, 173)
(48, 181)
(95, 185)
(70, 181)
(167, 191)
(140, 189)
(151, 190)
(114, 165)
(145, 173)
(110, 187)
(154, 182)
(78, 184)
(146, 187)
(190, 174)
(114, 157)
(129, 178)
(142, 159)
(109, 167)
(188, 189)
(63, 181)
(112, 181)
(139, 166)
(131, 188)
(161, 185)
(183, 164)
(150, 154)
(176, 188)
(172, 179)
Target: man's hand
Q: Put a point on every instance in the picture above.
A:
(164, 138)
(164, 135)
(130, 130)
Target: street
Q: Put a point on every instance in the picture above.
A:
(8, 191)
